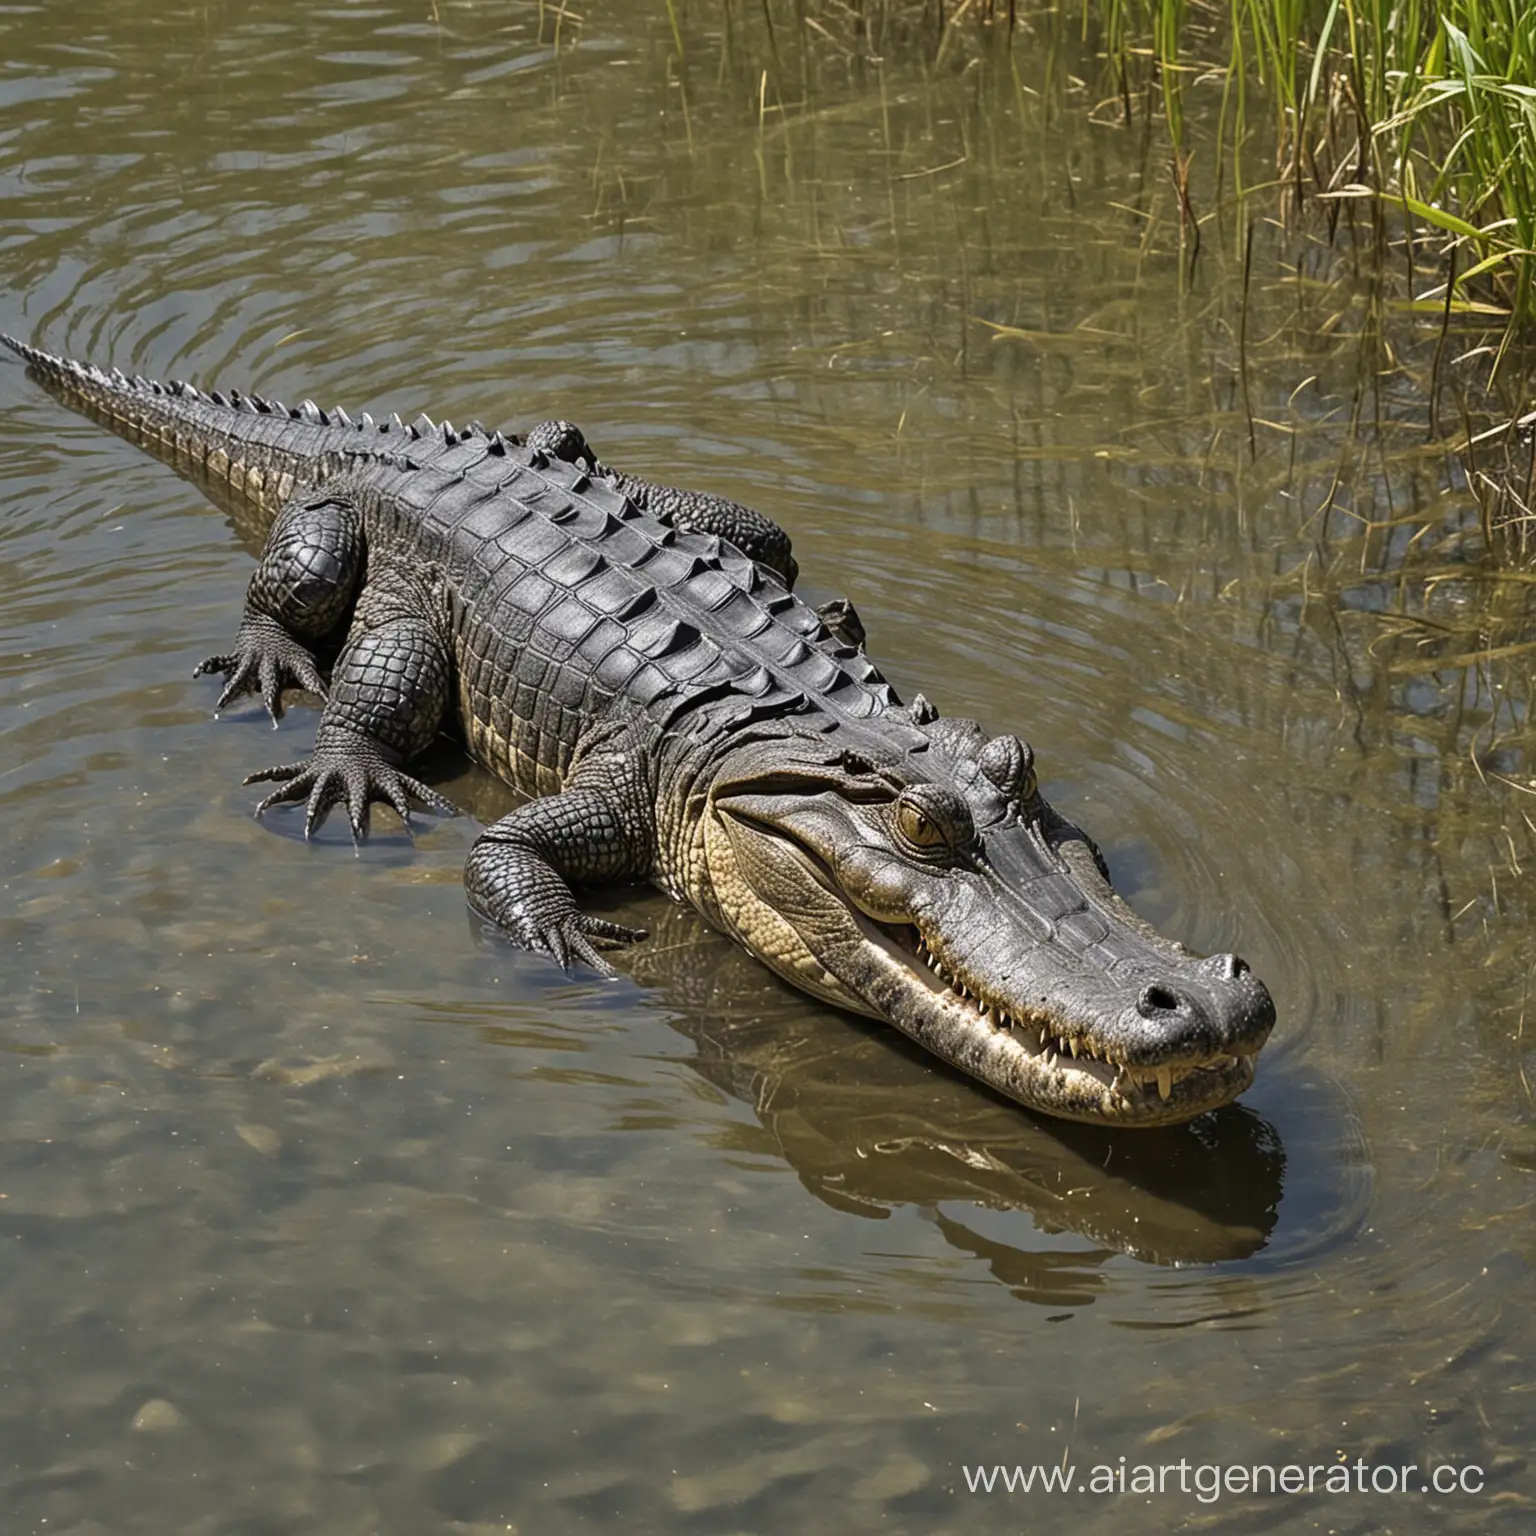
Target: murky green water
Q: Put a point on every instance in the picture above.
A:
(321, 1214)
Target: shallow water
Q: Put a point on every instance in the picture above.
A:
(321, 1212)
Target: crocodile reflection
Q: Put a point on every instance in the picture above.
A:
(869, 1130)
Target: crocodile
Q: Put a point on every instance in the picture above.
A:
(633, 659)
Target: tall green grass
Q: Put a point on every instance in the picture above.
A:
(1431, 107)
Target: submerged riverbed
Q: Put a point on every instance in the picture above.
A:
(321, 1212)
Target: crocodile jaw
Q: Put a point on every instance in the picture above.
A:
(1032, 1056)
(786, 906)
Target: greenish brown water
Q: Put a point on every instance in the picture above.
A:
(320, 1213)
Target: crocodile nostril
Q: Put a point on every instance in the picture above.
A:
(1155, 1000)
(1229, 967)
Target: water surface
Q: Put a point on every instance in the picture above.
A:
(323, 1213)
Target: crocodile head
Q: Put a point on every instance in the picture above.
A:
(930, 885)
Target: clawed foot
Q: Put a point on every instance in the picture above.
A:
(351, 770)
(266, 659)
(513, 888)
(569, 938)
(842, 621)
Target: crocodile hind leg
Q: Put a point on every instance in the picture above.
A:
(302, 588)
(600, 827)
(758, 537)
(389, 693)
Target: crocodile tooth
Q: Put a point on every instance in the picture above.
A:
(1165, 1081)
(1073, 1044)
(1050, 1059)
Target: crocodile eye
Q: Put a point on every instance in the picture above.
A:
(1010, 764)
(931, 820)
(917, 827)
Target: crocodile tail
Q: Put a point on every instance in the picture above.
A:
(244, 452)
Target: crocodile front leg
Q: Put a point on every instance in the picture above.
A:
(599, 828)
(302, 588)
(389, 692)
(842, 621)
(758, 537)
